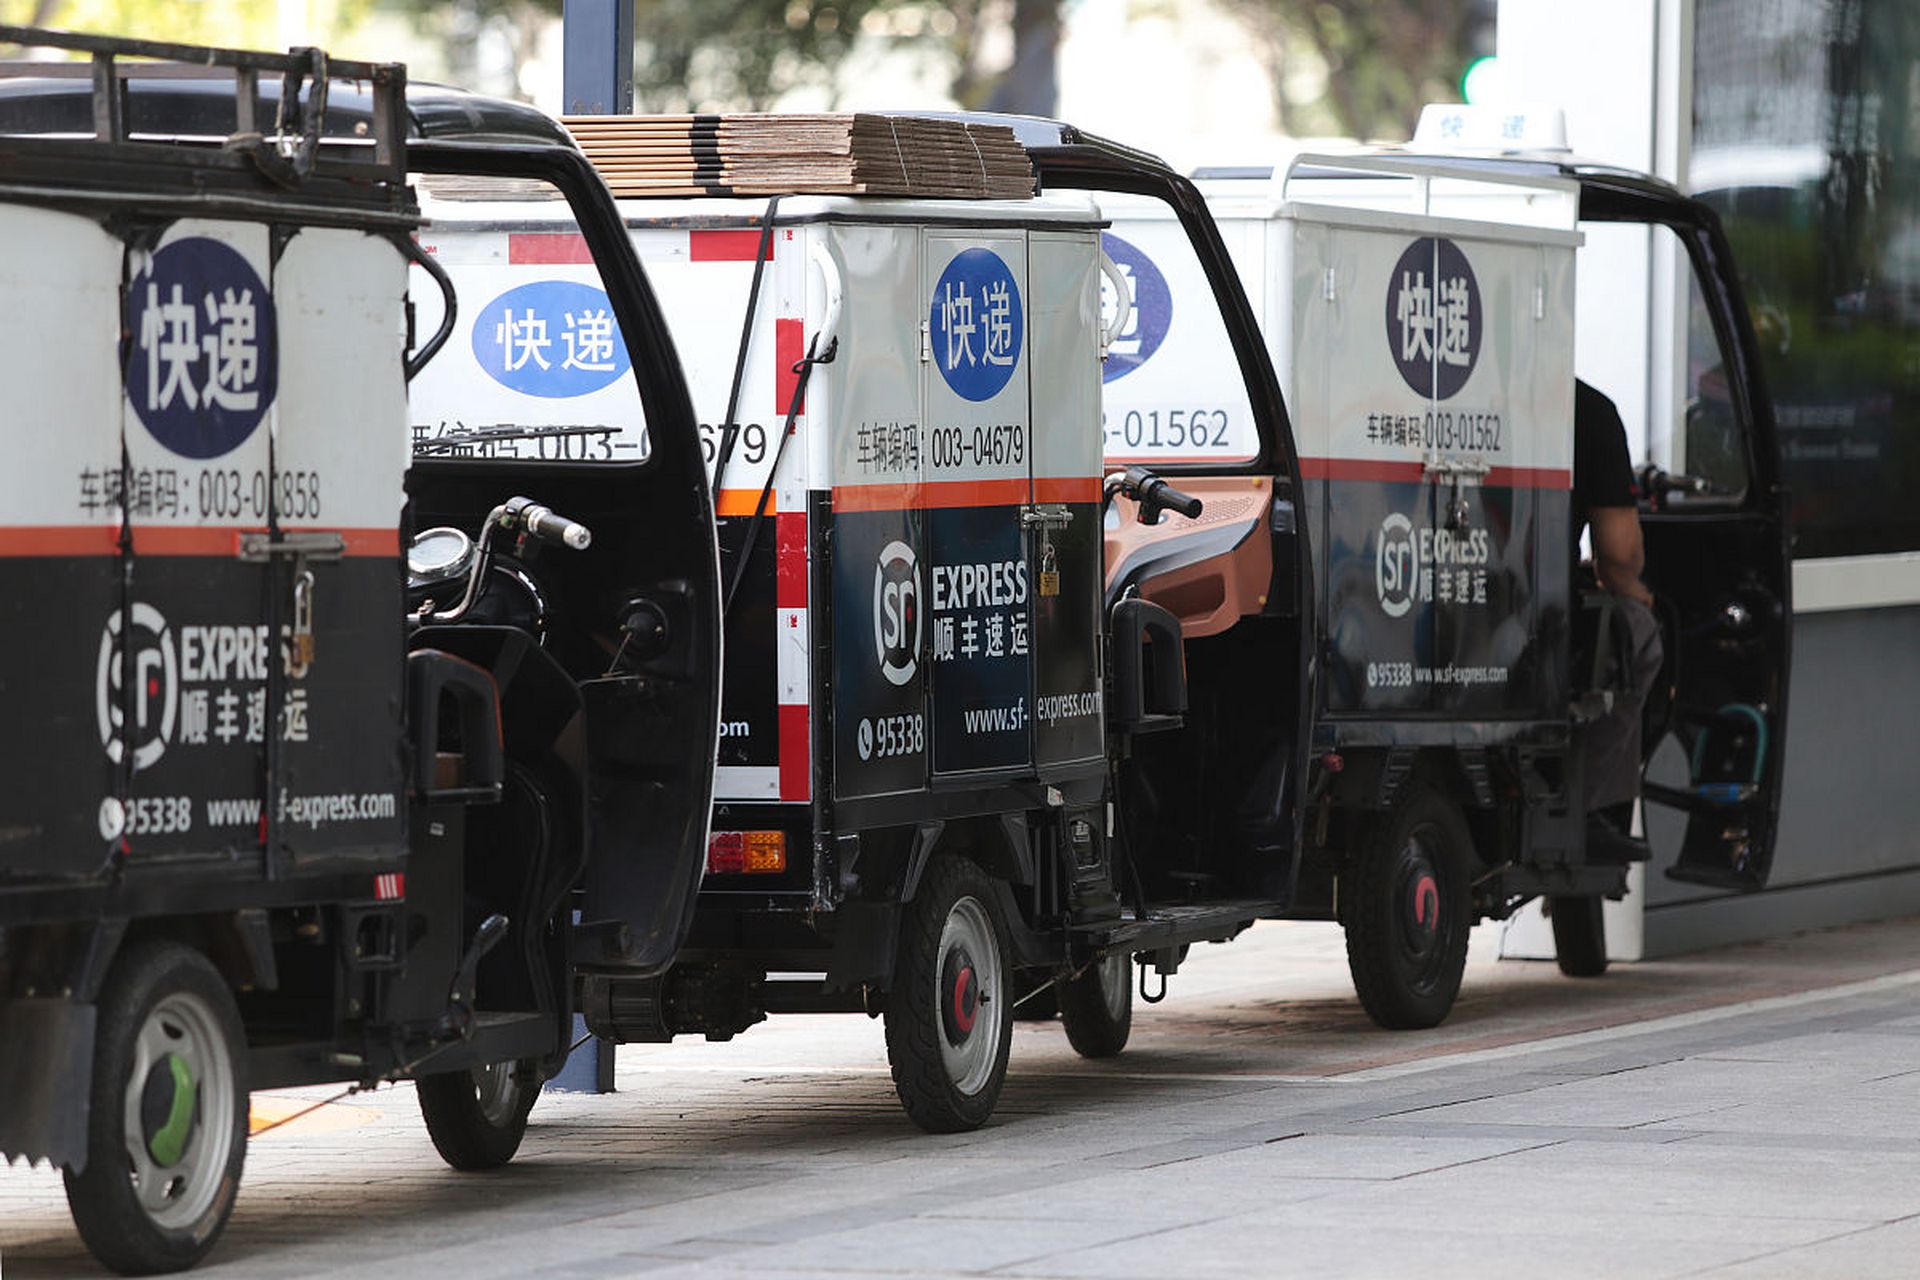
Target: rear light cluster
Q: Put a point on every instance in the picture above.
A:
(733, 853)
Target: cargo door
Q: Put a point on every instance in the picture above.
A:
(978, 482)
(1495, 448)
(881, 637)
(185, 662)
(1064, 544)
(1369, 301)
(334, 579)
(1718, 562)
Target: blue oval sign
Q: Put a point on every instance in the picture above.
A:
(202, 366)
(552, 338)
(976, 324)
(1152, 312)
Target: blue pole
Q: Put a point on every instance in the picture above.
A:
(588, 1069)
(597, 47)
(596, 80)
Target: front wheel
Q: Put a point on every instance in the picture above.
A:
(1408, 907)
(949, 1015)
(167, 1122)
(477, 1117)
(1579, 935)
(1097, 1007)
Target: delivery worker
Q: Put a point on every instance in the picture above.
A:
(1604, 503)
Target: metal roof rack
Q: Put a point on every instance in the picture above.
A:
(287, 150)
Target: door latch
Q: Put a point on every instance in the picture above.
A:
(1458, 470)
(1046, 515)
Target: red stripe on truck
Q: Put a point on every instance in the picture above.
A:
(790, 558)
(726, 246)
(965, 493)
(789, 347)
(793, 751)
(167, 540)
(547, 248)
(1392, 472)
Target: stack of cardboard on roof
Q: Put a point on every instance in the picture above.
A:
(840, 154)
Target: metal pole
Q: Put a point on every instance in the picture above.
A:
(597, 75)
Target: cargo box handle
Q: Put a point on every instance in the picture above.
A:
(827, 333)
(1122, 304)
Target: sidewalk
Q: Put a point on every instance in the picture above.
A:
(1753, 1111)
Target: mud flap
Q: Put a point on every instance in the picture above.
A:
(43, 1093)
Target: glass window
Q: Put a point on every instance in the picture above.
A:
(1806, 140)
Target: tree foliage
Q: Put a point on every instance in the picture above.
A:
(1383, 59)
(734, 54)
(230, 23)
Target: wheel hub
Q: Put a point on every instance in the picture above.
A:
(166, 1109)
(962, 1007)
(1422, 929)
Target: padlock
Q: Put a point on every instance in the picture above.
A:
(1049, 571)
(300, 646)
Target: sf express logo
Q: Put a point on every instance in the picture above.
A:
(1407, 559)
(141, 652)
(896, 612)
(190, 687)
(1434, 320)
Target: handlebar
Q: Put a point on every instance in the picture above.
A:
(1152, 493)
(545, 524)
(1656, 483)
(521, 516)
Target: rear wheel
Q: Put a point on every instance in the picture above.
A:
(949, 1016)
(167, 1122)
(1579, 935)
(477, 1117)
(1408, 907)
(1097, 1007)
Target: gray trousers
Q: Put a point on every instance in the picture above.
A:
(1612, 745)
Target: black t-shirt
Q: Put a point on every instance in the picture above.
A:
(1602, 468)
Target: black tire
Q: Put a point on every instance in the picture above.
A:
(1579, 935)
(167, 1122)
(1407, 905)
(477, 1117)
(948, 1014)
(1097, 1007)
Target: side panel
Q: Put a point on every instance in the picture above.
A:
(59, 501)
(1064, 559)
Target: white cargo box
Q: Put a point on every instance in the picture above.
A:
(959, 329)
(1421, 326)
